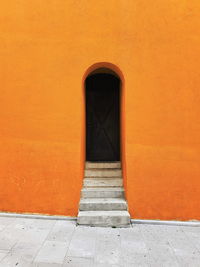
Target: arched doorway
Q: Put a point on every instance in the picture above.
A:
(102, 102)
(102, 201)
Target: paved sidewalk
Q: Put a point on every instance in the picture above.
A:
(56, 243)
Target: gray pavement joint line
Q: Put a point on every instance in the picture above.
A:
(189, 241)
(143, 239)
(11, 248)
(7, 225)
(4, 257)
(95, 246)
(120, 240)
(171, 246)
(43, 242)
(69, 243)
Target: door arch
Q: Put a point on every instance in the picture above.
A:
(102, 104)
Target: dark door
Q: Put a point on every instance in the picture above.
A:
(102, 118)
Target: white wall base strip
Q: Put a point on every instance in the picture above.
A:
(159, 222)
(37, 216)
(67, 218)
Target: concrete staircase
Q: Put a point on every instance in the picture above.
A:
(102, 196)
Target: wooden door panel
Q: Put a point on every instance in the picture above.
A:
(102, 118)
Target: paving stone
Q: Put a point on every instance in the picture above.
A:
(139, 263)
(52, 252)
(193, 235)
(5, 222)
(161, 255)
(9, 237)
(14, 232)
(24, 223)
(14, 259)
(154, 233)
(78, 262)
(35, 235)
(133, 234)
(107, 247)
(22, 253)
(133, 248)
(134, 253)
(189, 261)
(105, 265)
(27, 247)
(43, 264)
(51, 243)
(2, 255)
(43, 223)
(7, 243)
(83, 242)
(62, 231)
(181, 244)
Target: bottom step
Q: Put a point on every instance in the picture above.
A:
(104, 218)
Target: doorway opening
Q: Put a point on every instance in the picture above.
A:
(102, 102)
(102, 201)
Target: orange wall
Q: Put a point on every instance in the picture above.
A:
(45, 49)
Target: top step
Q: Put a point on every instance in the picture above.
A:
(103, 165)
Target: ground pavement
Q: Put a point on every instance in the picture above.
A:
(55, 243)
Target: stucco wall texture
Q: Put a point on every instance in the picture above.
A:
(47, 48)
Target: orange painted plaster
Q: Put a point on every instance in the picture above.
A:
(47, 49)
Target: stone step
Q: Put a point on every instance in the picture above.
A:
(102, 192)
(102, 182)
(104, 218)
(89, 204)
(103, 173)
(103, 165)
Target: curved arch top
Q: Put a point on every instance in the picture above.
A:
(104, 67)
